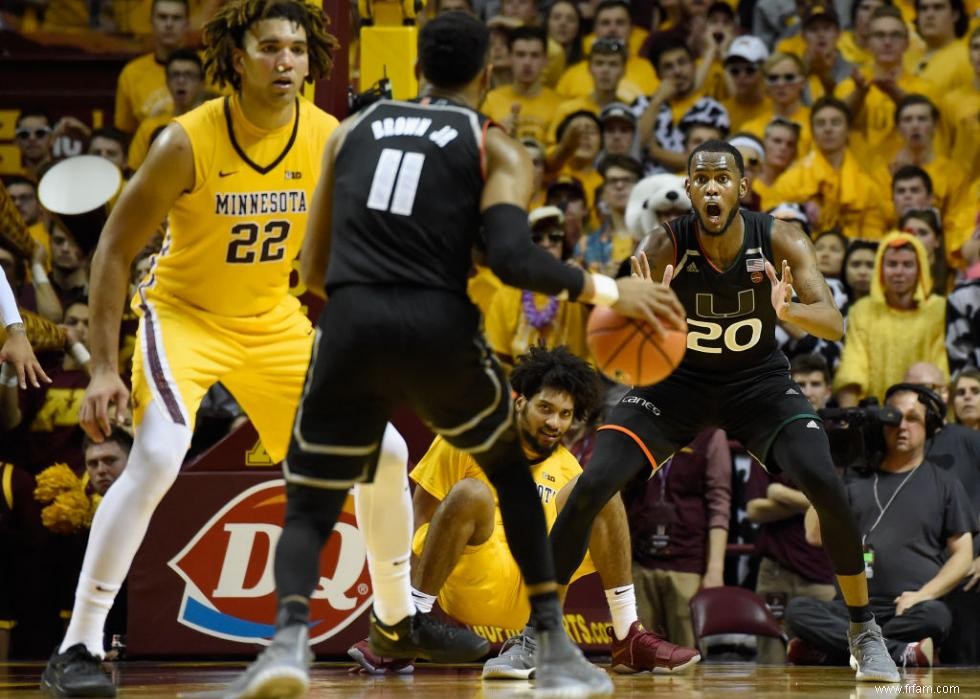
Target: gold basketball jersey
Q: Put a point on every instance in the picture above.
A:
(232, 240)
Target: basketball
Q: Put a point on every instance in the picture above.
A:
(626, 350)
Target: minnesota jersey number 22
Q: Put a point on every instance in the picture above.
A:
(241, 250)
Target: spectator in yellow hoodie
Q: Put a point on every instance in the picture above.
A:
(899, 323)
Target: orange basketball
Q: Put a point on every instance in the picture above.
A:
(627, 351)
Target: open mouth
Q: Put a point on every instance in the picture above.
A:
(283, 83)
(713, 211)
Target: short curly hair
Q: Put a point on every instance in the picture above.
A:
(225, 32)
(560, 370)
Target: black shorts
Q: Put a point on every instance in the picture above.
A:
(751, 409)
(379, 347)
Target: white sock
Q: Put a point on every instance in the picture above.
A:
(121, 521)
(423, 602)
(622, 608)
(384, 516)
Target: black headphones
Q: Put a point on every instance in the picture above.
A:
(935, 407)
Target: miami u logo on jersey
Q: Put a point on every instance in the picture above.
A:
(701, 332)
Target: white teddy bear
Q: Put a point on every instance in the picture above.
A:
(654, 199)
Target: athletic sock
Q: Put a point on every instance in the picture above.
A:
(423, 602)
(622, 608)
(93, 600)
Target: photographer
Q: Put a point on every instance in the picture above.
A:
(917, 525)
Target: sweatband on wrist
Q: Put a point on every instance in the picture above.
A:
(79, 353)
(606, 290)
(38, 273)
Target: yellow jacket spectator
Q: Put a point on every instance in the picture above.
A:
(564, 24)
(612, 21)
(874, 91)
(830, 181)
(960, 109)
(942, 58)
(917, 118)
(518, 320)
(898, 324)
(525, 107)
(142, 88)
(745, 96)
(185, 84)
(785, 80)
(779, 143)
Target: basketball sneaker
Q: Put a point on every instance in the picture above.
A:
(76, 673)
(376, 665)
(562, 671)
(515, 660)
(282, 670)
(918, 654)
(422, 636)
(869, 656)
(645, 651)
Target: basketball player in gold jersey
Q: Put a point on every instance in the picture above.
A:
(234, 177)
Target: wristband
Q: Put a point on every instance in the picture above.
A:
(8, 376)
(79, 353)
(606, 290)
(38, 274)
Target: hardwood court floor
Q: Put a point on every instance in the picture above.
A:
(707, 681)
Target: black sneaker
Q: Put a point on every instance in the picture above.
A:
(76, 673)
(422, 636)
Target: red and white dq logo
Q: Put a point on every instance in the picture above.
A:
(227, 567)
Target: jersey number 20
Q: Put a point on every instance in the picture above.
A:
(241, 250)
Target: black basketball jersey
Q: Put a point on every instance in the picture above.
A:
(406, 200)
(730, 318)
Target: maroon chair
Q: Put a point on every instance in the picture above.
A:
(723, 610)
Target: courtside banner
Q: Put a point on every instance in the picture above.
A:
(202, 584)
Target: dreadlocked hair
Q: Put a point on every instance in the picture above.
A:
(559, 369)
(226, 32)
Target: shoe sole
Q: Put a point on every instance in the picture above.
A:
(57, 691)
(659, 670)
(277, 683)
(357, 656)
(507, 673)
(872, 677)
(437, 655)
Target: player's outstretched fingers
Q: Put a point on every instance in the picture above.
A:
(787, 273)
(771, 273)
(668, 275)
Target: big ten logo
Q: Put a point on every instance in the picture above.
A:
(581, 630)
(227, 568)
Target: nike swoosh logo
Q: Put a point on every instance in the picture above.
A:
(225, 174)
(391, 636)
(620, 592)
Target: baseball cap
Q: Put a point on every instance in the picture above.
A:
(617, 110)
(820, 11)
(545, 213)
(748, 48)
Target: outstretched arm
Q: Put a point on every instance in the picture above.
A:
(816, 311)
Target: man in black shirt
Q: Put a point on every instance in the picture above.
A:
(917, 526)
(405, 189)
(733, 376)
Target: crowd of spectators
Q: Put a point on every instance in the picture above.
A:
(857, 120)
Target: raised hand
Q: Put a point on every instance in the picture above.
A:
(782, 288)
(18, 352)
